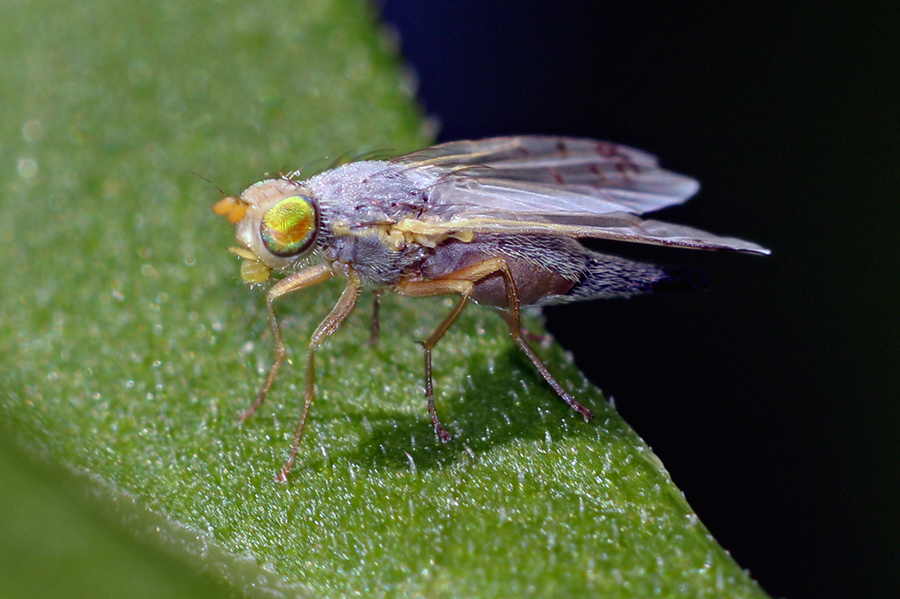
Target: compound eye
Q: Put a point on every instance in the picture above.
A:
(289, 227)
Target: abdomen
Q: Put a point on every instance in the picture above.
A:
(548, 270)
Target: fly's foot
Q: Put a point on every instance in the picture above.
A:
(282, 476)
(442, 433)
(573, 403)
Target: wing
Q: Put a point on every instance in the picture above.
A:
(548, 175)
(558, 186)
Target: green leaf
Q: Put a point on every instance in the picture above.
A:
(129, 345)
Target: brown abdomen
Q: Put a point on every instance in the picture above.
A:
(534, 279)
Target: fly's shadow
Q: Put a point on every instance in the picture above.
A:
(486, 413)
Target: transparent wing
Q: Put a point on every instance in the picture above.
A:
(546, 177)
(555, 186)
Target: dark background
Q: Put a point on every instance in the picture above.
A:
(771, 397)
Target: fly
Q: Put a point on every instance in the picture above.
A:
(495, 221)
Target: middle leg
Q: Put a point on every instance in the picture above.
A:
(460, 282)
(463, 282)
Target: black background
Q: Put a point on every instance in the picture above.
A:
(771, 397)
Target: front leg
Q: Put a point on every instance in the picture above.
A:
(295, 282)
(326, 328)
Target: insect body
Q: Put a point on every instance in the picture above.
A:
(494, 221)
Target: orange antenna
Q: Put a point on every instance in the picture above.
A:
(232, 208)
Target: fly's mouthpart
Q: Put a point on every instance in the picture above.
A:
(253, 270)
(232, 208)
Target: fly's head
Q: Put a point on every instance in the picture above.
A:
(276, 224)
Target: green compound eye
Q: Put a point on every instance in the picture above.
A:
(289, 227)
